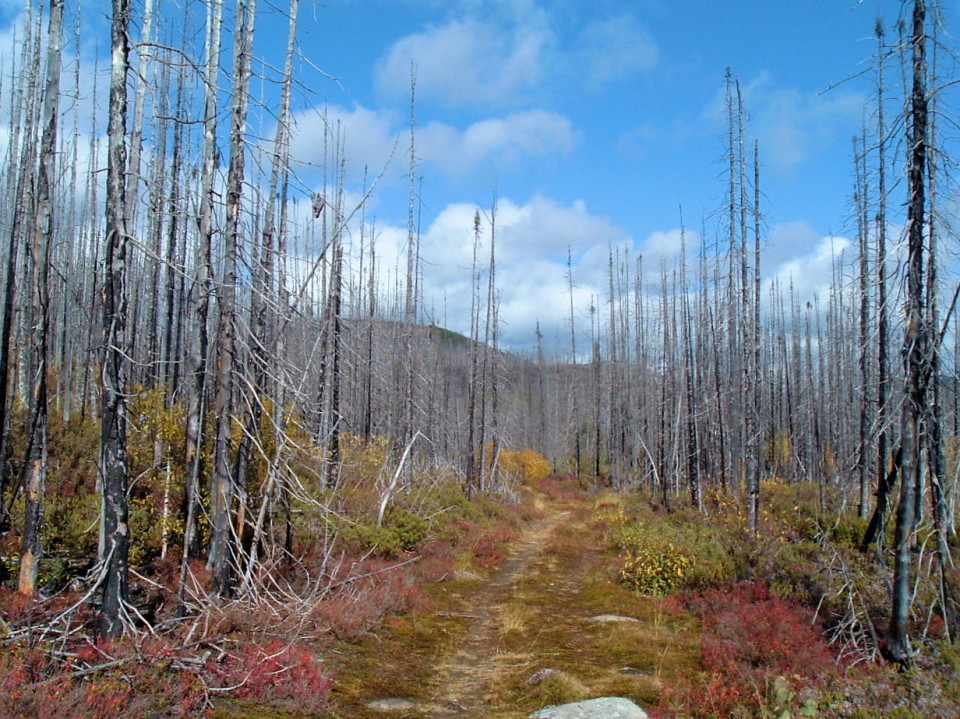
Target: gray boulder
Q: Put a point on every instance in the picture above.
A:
(604, 708)
(610, 618)
(391, 705)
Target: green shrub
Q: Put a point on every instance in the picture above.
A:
(401, 531)
(72, 524)
(654, 568)
(698, 554)
(848, 530)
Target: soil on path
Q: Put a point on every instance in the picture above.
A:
(465, 679)
(475, 653)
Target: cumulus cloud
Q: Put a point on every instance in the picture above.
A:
(788, 240)
(613, 49)
(810, 273)
(791, 124)
(532, 240)
(370, 138)
(467, 62)
(544, 227)
(667, 244)
(507, 53)
(502, 140)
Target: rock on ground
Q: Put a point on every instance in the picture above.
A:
(608, 618)
(391, 705)
(604, 708)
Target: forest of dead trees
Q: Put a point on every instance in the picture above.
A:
(164, 262)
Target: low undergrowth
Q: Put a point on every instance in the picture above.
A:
(335, 567)
(749, 640)
(156, 678)
(791, 620)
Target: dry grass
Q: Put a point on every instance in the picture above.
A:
(511, 619)
(571, 581)
(534, 612)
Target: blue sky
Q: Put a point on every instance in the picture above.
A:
(593, 122)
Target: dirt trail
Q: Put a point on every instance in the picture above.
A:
(474, 653)
(465, 678)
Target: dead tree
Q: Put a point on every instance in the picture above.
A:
(113, 433)
(916, 345)
(220, 559)
(35, 466)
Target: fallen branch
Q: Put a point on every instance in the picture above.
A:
(358, 577)
(83, 672)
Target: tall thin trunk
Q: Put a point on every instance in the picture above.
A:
(934, 410)
(693, 450)
(864, 443)
(21, 151)
(410, 305)
(173, 270)
(336, 340)
(733, 327)
(875, 530)
(197, 402)
(35, 467)
(916, 343)
(574, 408)
(754, 427)
(113, 433)
(473, 380)
(223, 488)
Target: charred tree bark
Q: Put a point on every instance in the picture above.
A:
(202, 290)
(35, 466)
(113, 433)
(223, 489)
(916, 345)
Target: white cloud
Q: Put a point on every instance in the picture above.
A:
(791, 125)
(504, 53)
(666, 245)
(788, 240)
(370, 138)
(502, 140)
(531, 252)
(811, 273)
(467, 62)
(544, 227)
(614, 49)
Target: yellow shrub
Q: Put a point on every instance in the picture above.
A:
(654, 568)
(527, 465)
(611, 515)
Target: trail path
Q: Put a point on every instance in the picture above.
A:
(466, 678)
(527, 635)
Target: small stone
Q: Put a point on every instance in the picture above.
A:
(466, 575)
(542, 674)
(634, 672)
(391, 705)
(607, 618)
(603, 708)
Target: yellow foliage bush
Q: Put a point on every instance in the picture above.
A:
(611, 515)
(525, 464)
(655, 568)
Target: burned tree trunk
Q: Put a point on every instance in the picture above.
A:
(35, 466)
(916, 346)
(113, 433)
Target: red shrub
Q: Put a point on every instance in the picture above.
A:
(286, 676)
(382, 589)
(489, 547)
(562, 488)
(748, 639)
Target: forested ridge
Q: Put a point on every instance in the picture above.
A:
(234, 444)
